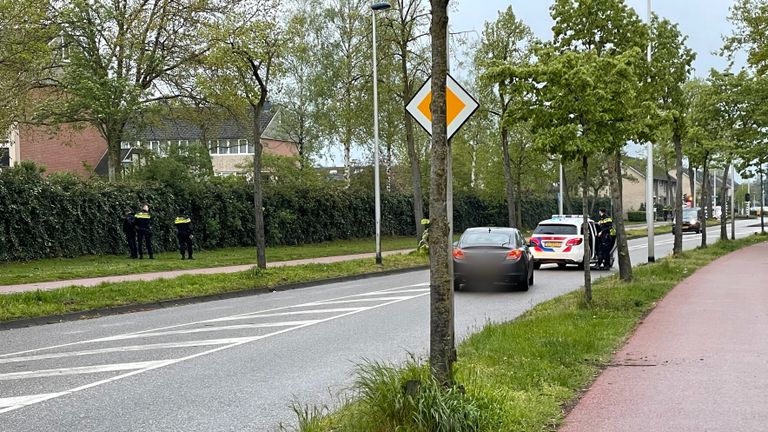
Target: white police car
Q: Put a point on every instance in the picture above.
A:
(559, 240)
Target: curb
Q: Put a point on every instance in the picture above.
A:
(119, 310)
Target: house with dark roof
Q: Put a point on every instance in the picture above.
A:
(228, 140)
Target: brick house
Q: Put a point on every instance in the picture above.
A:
(83, 150)
(72, 148)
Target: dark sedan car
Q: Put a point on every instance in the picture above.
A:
(691, 222)
(497, 256)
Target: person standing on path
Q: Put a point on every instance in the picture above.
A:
(605, 238)
(143, 222)
(184, 233)
(129, 229)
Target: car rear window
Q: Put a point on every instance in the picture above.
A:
(487, 239)
(558, 229)
(690, 214)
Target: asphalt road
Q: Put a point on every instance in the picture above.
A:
(236, 365)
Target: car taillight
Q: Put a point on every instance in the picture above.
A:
(514, 255)
(574, 241)
(458, 254)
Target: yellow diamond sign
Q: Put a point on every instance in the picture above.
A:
(460, 105)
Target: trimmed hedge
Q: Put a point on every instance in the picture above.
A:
(636, 216)
(66, 216)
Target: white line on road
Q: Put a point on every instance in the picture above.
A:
(358, 300)
(88, 341)
(81, 370)
(26, 400)
(211, 329)
(121, 349)
(279, 314)
(190, 357)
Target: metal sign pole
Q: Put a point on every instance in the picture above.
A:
(650, 208)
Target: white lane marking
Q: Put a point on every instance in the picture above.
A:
(193, 356)
(407, 291)
(187, 324)
(210, 329)
(358, 300)
(279, 314)
(25, 400)
(81, 370)
(120, 349)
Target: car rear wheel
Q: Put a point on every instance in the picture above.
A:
(530, 280)
(536, 265)
(456, 285)
(525, 283)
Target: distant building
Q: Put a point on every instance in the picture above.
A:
(83, 150)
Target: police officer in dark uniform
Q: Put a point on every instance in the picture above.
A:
(143, 223)
(184, 233)
(129, 229)
(605, 238)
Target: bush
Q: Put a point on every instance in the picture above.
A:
(636, 216)
(66, 216)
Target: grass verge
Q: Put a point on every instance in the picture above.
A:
(13, 273)
(515, 376)
(79, 299)
(643, 232)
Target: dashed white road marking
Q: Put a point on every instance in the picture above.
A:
(81, 370)
(25, 400)
(132, 348)
(210, 329)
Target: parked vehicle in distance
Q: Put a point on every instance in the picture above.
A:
(560, 239)
(691, 222)
(492, 256)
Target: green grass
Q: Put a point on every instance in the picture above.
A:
(78, 299)
(642, 232)
(516, 376)
(13, 273)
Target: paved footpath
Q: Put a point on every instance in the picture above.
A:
(699, 361)
(45, 286)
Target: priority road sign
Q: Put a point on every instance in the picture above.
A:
(460, 105)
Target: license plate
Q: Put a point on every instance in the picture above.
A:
(552, 244)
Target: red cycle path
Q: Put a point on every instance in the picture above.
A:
(698, 362)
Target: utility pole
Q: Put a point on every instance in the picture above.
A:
(733, 202)
(650, 208)
(561, 195)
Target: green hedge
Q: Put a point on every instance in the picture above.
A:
(67, 216)
(636, 216)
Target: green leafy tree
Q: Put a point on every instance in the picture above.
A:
(609, 29)
(239, 70)
(122, 56)
(507, 40)
(669, 71)
(28, 54)
(750, 20)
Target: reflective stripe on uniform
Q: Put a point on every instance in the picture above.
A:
(182, 220)
(142, 215)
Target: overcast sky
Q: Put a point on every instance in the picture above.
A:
(703, 21)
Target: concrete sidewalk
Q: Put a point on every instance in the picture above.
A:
(699, 361)
(45, 286)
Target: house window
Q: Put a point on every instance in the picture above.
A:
(243, 146)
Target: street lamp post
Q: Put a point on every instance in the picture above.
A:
(560, 195)
(377, 186)
(733, 202)
(650, 208)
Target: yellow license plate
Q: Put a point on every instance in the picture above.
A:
(553, 244)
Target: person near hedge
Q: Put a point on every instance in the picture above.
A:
(129, 229)
(606, 234)
(184, 233)
(143, 222)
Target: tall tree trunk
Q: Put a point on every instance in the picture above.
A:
(114, 164)
(586, 233)
(518, 198)
(348, 158)
(705, 198)
(567, 205)
(724, 201)
(441, 344)
(617, 192)
(692, 181)
(677, 247)
(258, 193)
(509, 181)
(410, 143)
(711, 199)
(388, 170)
